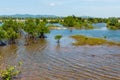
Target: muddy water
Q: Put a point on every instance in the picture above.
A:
(47, 60)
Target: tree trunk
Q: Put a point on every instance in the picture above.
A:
(2, 43)
(58, 41)
(42, 35)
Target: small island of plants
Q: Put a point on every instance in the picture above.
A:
(85, 40)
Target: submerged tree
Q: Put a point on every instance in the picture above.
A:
(3, 34)
(36, 28)
(12, 35)
(30, 28)
(10, 30)
(3, 37)
(42, 29)
(58, 37)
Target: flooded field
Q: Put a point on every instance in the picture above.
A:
(47, 60)
(59, 39)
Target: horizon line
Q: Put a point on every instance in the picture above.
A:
(56, 15)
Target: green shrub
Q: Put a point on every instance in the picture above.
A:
(58, 37)
(10, 73)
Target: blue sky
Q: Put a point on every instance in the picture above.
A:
(94, 8)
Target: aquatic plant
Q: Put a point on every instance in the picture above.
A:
(10, 72)
(105, 37)
(58, 37)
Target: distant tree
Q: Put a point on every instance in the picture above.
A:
(37, 21)
(69, 21)
(113, 23)
(91, 20)
(44, 20)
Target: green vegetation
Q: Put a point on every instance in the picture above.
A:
(3, 34)
(86, 23)
(113, 23)
(69, 21)
(10, 73)
(58, 37)
(10, 30)
(30, 28)
(76, 22)
(83, 40)
(35, 28)
(42, 29)
(105, 37)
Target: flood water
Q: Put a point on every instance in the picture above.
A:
(47, 60)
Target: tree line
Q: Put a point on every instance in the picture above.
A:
(86, 23)
(36, 27)
(11, 29)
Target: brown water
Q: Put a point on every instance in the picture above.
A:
(48, 60)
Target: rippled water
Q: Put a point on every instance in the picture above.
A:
(47, 60)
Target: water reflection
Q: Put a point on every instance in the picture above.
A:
(58, 46)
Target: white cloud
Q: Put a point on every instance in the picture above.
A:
(52, 4)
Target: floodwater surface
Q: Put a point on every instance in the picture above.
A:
(48, 60)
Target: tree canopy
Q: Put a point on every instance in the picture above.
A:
(58, 37)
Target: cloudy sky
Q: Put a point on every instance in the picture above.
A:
(94, 8)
